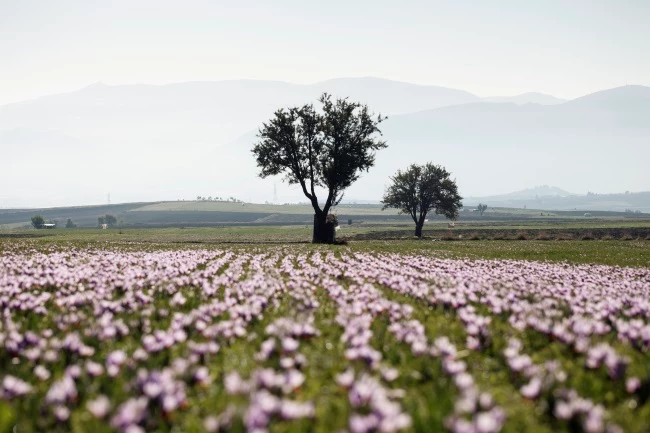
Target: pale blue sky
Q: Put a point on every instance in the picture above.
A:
(564, 48)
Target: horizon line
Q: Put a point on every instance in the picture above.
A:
(101, 83)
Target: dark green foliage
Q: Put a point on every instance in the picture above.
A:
(421, 189)
(70, 224)
(327, 149)
(107, 219)
(38, 221)
(110, 220)
(482, 207)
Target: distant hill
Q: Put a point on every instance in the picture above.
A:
(627, 99)
(220, 213)
(631, 202)
(531, 193)
(83, 216)
(393, 97)
(527, 98)
(204, 112)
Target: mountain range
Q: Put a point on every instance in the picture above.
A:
(181, 140)
(553, 198)
(528, 98)
(529, 193)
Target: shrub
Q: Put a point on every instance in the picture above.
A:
(627, 236)
(38, 221)
(110, 220)
(587, 236)
(521, 236)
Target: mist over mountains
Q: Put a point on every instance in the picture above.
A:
(553, 198)
(143, 142)
(527, 98)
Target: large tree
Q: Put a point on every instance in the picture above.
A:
(327, 149)
(421, 189)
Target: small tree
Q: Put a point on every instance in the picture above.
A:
(110, 220)
(38, 221)
(481, 208)
(70, 224)
(328, 149)
(421, 189)
(100, 221)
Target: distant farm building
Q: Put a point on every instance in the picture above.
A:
(49, 226)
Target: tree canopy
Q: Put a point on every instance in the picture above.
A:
(329, 149)
(421, 189)
(111, 220)
(38, 221)
(108, 219)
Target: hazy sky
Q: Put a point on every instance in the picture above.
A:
(566, 47)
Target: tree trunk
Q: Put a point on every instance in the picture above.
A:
(418, 229)
(324, 232)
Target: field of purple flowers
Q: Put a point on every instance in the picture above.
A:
(105, 339)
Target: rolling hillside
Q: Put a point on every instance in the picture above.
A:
(214, 213)
(552, 199)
